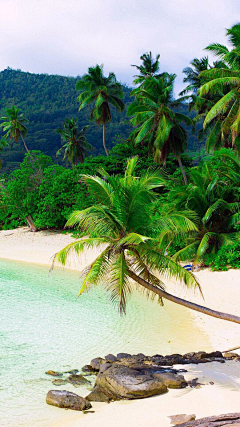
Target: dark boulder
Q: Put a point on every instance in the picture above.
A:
(67, 400)
(122, 382)
(110, 358)
(121, 356)
(88, 369)
(77, 380)
(171, 380)
(96, 363)
(99, 395)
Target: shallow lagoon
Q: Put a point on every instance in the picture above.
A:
(43, 326)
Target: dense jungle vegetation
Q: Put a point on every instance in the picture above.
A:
(57, 129)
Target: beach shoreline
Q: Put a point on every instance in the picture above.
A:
(220, 291)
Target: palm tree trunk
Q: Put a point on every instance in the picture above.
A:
(188, 304)
(30, 223)
(104, 142)
(182, 169)
(24, 143)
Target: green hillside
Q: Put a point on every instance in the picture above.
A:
(46, 101)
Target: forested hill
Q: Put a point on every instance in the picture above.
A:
(46, 101)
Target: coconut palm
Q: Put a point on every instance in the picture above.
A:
(148, 68)
(14, 125)
(123, 225)
(76, 146)
(225, 83)
(103, 92)
(158, 126)
(192, 75)
(213, 195)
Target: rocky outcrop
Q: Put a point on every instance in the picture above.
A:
(227, 420)
(124, 382)
(181, 418)
(67, 400)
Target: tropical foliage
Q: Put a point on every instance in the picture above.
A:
(158, 126)
(148, 68)
(123, 221)
(76, 147)
(213, 196)
(103, 92)
(14, 125)
(123, 224)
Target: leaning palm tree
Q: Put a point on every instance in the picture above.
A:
(158, 126)
(123, 224)
(76, 146)
(102, 92)
(14, 125)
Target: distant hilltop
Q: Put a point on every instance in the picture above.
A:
(47, 100)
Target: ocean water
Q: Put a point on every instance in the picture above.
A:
(44, 326)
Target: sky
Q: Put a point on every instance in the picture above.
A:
(67, 36)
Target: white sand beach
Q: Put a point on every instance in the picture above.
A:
(221, 292)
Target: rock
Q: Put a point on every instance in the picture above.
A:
(189, 355)
(225, 420)
(104, 367)
(122, 382)
(88, 369)
(214, 354)
(59, 381)
(181, 418)
(72, 372)
(99, 395)
(171, 380)
(54, 373)
(110, 358)
(96, 363)
(121, 356)
(67, 400)
(77, 380)
(194, 384)
(200, 355)
(230, 355)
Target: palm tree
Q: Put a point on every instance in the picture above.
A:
(103, 92)
(192, 75)
(3, 144)
(157, 125)
(122, 221)
(213, 195)
(14, 124)
(76, 146)
(149, 67)
(225, 82)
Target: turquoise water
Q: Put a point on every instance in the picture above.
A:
(43, 326)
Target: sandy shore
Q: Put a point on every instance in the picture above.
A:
(221, 291)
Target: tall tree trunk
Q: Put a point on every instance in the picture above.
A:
(182, 169)
(104, 142)
(30, 223)
(24, 143)
(180, 301)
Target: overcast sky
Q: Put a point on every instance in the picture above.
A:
(67, 36)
